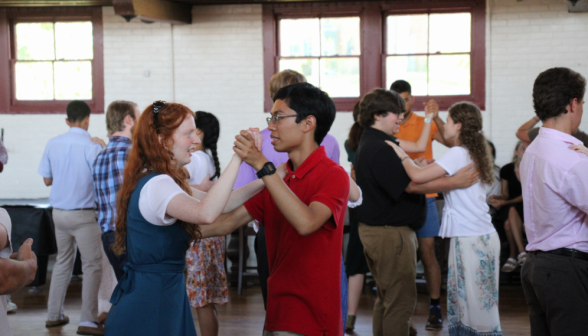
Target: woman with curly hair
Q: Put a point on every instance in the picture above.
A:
(158, 218)
(472, 283)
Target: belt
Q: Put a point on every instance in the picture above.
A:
(80, 209)
(127, 282)
(568, 253)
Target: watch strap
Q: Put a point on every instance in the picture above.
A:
(268, 169)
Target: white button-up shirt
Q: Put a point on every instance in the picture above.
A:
(68, 159)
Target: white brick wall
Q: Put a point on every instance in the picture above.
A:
(525, 38)
(216, 65)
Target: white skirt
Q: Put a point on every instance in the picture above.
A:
(472, 286)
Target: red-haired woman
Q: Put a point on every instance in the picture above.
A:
(156, 223)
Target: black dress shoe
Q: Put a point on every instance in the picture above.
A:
(434, 323)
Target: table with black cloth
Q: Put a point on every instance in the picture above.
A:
(37, 223)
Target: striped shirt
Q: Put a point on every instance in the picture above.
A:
(107, 173)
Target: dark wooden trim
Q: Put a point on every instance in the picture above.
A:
(4, 61)
(155, 10)
(371, 49)
(372, 59)
(53, 3)
(7, 20)
(269, 53)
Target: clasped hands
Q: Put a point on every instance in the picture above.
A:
(247, 146)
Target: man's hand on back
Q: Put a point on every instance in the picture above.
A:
(466, 177)
(99, 141)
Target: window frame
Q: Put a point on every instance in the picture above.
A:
(372, 68)
(8, 20)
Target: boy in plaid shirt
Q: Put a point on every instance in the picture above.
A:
(107, 173)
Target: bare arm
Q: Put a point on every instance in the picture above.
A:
(354, 192)
(227, 223)
(305, 219)
(48, 181)
(205, 185)
(189, 209)
(439, 137)
(15, 274)
(440, 134)
(464, 178)
(416, 173)
(421, 144)
(243, 194)
(522, 132)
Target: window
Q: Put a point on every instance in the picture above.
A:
(54, 58)
(53, 61)
(349, 48)
(325, 50)
(430, 51)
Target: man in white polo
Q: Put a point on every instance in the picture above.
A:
(67, 167)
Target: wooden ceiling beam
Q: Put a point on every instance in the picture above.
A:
(53, 3)
(154, 10)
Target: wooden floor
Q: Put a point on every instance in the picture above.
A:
(244, 315)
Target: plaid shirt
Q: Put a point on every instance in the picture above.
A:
(107, 173)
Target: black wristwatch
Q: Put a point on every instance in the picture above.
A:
(268, 169)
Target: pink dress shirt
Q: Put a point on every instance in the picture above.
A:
(555, 193)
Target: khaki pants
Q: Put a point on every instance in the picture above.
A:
(391, 256)
(76, 227)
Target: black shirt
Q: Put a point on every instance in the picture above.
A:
(382, 179)
(508, 174)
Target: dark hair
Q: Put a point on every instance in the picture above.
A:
(472, 138)
(307, 100)
(554, 89)
(355, 131)
(492, 149)
(150, 154)
(379, 102)
(401, 86)
(77, 111)
(209, 125)
(116, 113)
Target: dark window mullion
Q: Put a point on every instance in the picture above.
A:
(320, 49)
(54, 58)
(428, 47)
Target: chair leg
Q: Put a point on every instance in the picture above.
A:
(240, 276)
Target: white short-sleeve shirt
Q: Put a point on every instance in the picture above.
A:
(465, 213)
(200, 165)
(154, 198)
(5, 253)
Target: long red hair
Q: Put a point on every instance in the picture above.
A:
(149, 155)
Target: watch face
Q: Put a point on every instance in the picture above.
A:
(271, 168)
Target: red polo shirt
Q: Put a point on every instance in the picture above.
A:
(304, 287)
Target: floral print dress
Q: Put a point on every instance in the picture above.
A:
(206, 279)
(472, 286)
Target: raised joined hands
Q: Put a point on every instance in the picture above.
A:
(248, 147)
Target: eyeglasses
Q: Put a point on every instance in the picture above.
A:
(276, 118)
(157, 105)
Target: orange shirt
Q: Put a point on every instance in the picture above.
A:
(411, 131)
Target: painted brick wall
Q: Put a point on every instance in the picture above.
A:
(525, 38)
(215, 65)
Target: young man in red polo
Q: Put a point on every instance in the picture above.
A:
(303, 215)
